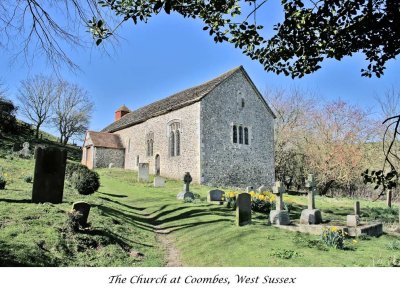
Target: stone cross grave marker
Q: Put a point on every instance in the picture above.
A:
(187, 179)
(83, 208)
(354, 220)
(159, 181)
(143, 172)
(216, 196)
(311, 215)
(279, 216)
(278, 189)
(243, 209)
(48, 182)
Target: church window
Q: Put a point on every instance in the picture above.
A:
(240, 135)
(242, 102)
(246, 136)
(234, 134)
(174, 132)
(172, 144)
(137, 160)
(177, 143)
(150, 143)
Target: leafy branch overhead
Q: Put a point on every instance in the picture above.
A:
(310, 32)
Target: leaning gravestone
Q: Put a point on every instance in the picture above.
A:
(249, 189)
(25, 152)
(159, 181)
(48, 182)
(311, 215)
(83, 208)
(143, 172)
(216, 196)
(354, 220)
(187, 179)
(243, 209)
(279, 216)
(111, 165)
(262, 189)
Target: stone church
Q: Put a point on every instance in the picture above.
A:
(221, 131)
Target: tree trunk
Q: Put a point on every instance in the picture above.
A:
(37, 131)
(389, 198)
(325, 189)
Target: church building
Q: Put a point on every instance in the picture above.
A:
(221, 131)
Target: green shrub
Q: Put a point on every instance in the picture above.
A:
(28, 179)
(71, 168)
(3, 182)
(261, 206)
(333, 237)
(85, 181)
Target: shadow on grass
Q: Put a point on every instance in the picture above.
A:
(113, 195)
(24, 201)
(122, 204)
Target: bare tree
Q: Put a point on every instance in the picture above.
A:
(35, 97)
(72, 110)
(293, 108)
(49, 27)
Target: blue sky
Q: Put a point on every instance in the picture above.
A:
(169, 54)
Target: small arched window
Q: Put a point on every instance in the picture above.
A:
(234, 134)
(177, 143)
(137, 160)
(151, 147)
(240, 135)
(242, 102)
(246, 136)
(172, 144)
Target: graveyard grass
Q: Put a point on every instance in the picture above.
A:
(129, 218)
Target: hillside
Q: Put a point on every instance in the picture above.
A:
(26, 134)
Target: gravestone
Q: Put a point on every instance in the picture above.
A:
(111, 165)
(216, 196)
(159, 181)
(279, 216)
(262, 189)
(143, 172)
(187, 179)
(48, 182)
(249, 189)
(354, 220)
(25, 152)
(83, 208)
(311, 215)
(243, 209)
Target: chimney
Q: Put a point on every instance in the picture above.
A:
(122, 111)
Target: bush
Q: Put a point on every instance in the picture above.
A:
(3, 182)
(85, 181)
(333, 237)
(72, 168)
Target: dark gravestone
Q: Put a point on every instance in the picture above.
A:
(83, 209)
(216, 196)
(48, 183)
(243, 209)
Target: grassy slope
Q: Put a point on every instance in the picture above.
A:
(7, 141)
(126, 213)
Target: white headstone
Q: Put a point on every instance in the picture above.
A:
(143, 172)
(159, 182)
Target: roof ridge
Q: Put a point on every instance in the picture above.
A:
(195, 93)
